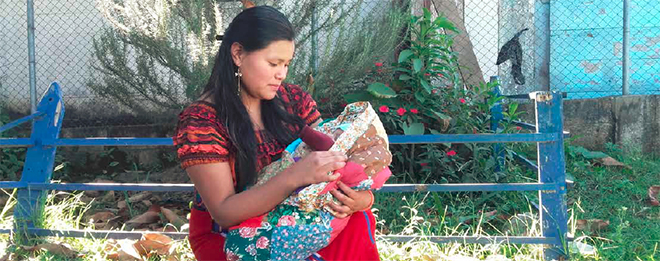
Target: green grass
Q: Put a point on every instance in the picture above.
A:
(65, 211)
(619, 195)
(614, 194)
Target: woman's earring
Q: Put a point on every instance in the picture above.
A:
(238, 75)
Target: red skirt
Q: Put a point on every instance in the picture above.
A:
(355, 242)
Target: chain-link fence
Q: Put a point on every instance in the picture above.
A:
(137, 62)
(589, 47)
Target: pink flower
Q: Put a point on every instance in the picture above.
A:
(440, 74)
(461, 100)
(401, 111)
(262, 243)
(427, 74)
(384, 109)
(286, 221)
(378, 64)
(423, 164)
(518, 128)
(451, 153)
(434, 91)
(247, 232)
(414, 111)
(344, 105)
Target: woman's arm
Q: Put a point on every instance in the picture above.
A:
(214, 183)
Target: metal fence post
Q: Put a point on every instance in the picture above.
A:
(39, 160)
(626, 48)
(552, 170)
(31, 56)
(496, 117)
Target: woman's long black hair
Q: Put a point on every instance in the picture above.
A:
(254, 28)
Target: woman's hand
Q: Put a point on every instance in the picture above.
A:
(351, 200)
(314, 168)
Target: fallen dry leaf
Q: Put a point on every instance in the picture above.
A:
(592, 225)
(490, 213)
(149, 217)
(108, 197)
(247, 4)
(110, 245)
(153, 243)
(172, 217)
(139, 197)
(53, 248)
(101, 219)
(611, 162)
(147, 203)
(102, 216)
(126, 252)
(653, 195)
(121, 204)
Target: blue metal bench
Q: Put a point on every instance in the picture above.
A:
(550, 166)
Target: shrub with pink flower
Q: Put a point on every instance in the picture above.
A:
(426, 80)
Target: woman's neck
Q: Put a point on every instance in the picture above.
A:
(252, 104)
(253, 107)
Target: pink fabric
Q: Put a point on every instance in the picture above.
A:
(351, 175)
(381, 178)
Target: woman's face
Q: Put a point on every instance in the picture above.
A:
(263, 70)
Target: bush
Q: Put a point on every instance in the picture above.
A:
(422, 94)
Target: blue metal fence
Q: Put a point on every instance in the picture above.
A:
(550, 166)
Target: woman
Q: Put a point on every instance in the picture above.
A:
(242, 122)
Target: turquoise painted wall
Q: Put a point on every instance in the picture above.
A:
(586, 47)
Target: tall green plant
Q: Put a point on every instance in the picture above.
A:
(11, 159)
(421, 93)
(158, 55)
(347, 51)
